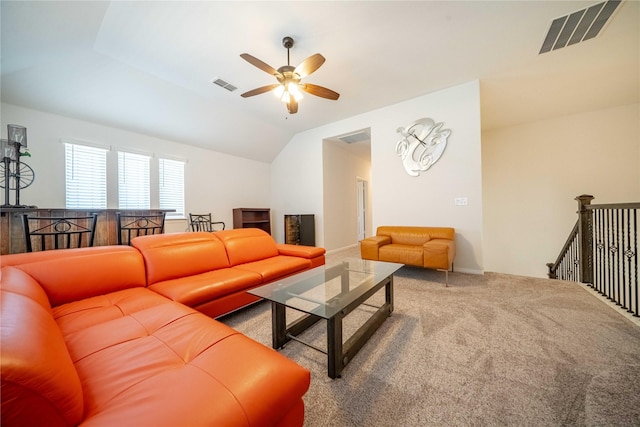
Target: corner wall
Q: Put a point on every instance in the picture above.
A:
(533, 172)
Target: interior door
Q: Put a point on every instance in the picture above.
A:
(361, 186)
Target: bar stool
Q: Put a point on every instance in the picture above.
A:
(66, 232)
(202, 222)
(131, 225)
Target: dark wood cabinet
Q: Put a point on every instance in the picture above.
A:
(252, 218)
(300, 229)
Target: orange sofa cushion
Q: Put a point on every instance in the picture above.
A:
(173, 255)
(247, 245)
(212, 285)
(142, 365)
(276, 267)
(70, 274)
(409, 235)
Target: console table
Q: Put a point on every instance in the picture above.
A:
(12, 234)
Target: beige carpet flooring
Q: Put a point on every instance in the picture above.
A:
(492, 350)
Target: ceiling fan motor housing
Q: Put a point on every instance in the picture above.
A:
(287, 42)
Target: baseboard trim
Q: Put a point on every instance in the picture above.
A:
(468, 270)
(333, 251)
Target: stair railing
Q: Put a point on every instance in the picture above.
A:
(602, 252)
(567, 265)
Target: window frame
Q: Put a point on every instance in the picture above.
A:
(134, 180)
(91, 185)
(175, 201)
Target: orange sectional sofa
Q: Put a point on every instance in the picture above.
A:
(114, 335)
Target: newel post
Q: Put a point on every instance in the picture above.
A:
(585, 238)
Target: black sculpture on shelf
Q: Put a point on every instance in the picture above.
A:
(14, 174)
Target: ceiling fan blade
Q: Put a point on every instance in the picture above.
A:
(320, 91)
(292, 106)
(309, 65)
(256, 62)
(259, 90)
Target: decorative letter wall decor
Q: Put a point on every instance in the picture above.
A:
(422, 144)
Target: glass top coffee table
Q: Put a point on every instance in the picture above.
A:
(330, 293)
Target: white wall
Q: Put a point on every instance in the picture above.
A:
(428, 200)
(214, 182)
(533, 172)
(397, 198)
(341, 169)
(296, 184)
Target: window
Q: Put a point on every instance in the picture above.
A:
(133, 181)
(172, 187)
(86, 177)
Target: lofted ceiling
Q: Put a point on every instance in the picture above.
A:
(147, 66)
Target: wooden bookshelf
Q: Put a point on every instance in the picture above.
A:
(252, 218)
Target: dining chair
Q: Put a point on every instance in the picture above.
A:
(46, 233)
(203, 222)
(132, 225)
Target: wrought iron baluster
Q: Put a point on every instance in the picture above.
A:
(635, 255)
(598, 250)
(623, 258)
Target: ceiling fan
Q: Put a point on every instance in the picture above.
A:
(289, 79)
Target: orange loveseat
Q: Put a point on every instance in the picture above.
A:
(428, 247)
(99, 337)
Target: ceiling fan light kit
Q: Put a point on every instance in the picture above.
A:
(289, 87)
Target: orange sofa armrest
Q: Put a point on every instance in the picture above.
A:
(308, 252)
(370, 246)
(439, 253)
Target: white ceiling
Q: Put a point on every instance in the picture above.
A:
(147, 66)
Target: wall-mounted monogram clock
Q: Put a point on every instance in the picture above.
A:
(422, 144)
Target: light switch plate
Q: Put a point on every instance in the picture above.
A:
(461, 201)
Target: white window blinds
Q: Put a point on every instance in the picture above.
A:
(133, 181)
(86, 177)
(172, 187)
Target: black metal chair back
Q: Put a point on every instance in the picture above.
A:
(202, 222)
(131, 225)
(45, 233)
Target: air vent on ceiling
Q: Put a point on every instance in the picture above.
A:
(358, 136)
(578, 26)
(226, 85)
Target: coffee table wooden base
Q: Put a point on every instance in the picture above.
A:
(339, 354)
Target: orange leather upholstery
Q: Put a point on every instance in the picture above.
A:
(65, 273)
(428, 247)
(40, 385)
(247, 245)
(211, 272)
(254, 250)
(313, 254)
(95, 336)
(169, 256)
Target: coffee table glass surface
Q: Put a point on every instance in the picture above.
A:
(324, 291)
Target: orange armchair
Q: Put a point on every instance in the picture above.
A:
(427, 247)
